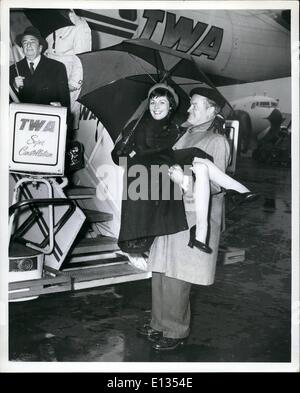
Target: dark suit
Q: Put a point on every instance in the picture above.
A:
(49, 82)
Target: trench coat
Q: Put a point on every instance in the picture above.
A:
(65, 43)
(170, 254)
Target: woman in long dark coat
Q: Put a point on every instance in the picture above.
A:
(149, 145)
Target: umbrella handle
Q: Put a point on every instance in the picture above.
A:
(13, 95)
(133, 128)
(14, 57)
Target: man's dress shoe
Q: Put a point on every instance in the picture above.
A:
(167, 344)
(148, 332)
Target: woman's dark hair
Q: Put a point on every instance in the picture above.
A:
(160, 92)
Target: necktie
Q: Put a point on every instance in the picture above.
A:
(31, 68)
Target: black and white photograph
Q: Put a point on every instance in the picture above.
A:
(114, 121)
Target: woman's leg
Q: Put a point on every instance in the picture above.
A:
(219, 177)
(201, 196)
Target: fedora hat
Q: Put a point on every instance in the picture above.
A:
(31, 30)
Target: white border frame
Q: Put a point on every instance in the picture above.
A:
(293, 366)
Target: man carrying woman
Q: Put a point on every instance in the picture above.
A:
(152, 143)
(182, 249)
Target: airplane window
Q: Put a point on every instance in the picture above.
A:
(274, 104)
(264, 104)
(253, 105)
(128, 14)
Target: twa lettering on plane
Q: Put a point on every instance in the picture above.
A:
(182, 35)
(231, 46)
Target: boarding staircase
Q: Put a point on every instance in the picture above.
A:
(95, 259)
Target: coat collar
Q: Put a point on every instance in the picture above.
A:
(35, 62)
(197, 128)
(26, 66)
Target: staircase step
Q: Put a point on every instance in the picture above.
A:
(111, 259)
(96, 245)
(97, 216)
(80, 192)
(105, 275)
(86, 259)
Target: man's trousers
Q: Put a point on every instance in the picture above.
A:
(170, 306)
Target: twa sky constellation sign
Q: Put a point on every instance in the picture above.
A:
(38, 134)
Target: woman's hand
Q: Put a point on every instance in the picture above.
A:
(177, 176)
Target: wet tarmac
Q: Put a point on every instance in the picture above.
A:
(243, 317)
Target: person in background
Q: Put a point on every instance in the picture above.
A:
(63, 45)
(174, 265)
(37, 79)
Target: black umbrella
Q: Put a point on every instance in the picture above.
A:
(47, 20)
(116, 80)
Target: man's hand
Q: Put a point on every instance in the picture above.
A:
(19, 82)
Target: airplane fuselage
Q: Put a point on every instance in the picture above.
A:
(230, 46)
(259, 108)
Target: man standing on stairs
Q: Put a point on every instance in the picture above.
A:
(37, 79)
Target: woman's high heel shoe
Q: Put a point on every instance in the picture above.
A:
(239, 198)
(193, 242)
